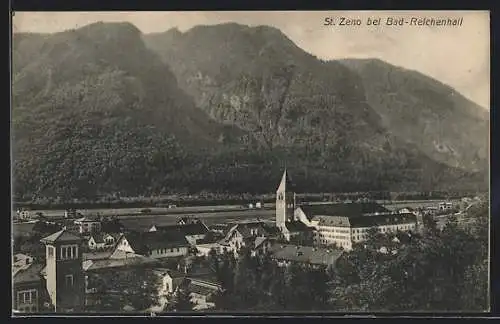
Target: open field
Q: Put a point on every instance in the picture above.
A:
(153, 211)
(133, 217)
(394, 205)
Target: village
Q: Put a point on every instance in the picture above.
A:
(69, 264)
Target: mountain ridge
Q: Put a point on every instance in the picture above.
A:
(188, 38)
(91, 119)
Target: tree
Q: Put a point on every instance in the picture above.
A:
(135, 287)
(181, 301)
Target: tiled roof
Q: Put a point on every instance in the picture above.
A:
(367, 221)
(339, 221)
(61, 236)
(297, 226)
(21, 262)
(96, 255)
(135, 260)
(343, 209)
(305, 254)
(258, 241)
(145, 242)
(31, 274)
(203, 273)
(98, 237)
(202, 289)
(197, 228)
(271, 229)
(211, 237)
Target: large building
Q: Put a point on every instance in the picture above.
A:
(286, 205)
(56, 286)
(336, 224)
(65, 280)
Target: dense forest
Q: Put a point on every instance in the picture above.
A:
(90, 120)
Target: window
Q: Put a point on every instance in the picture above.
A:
(50, 251)
(68, 279)
(69, 252)
(27, 296)
(178, 250)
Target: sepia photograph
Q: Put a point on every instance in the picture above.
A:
(229, 162)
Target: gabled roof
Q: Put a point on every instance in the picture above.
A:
(305, 254)
(343, 209)
(96, 255)
(203, 273)
(211, 237)
(297, 226)
(145, 242)
(286, 185)
(98, 237)
(381, 220)
(61, 236)
(30, 274)
(203, 290)
(135, 260)
(197, 228)
(366, 221)
(88, 219)
(258, 241)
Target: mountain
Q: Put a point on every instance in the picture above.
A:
(329, 114)
(106, 110)
(443, 124)
(94, 111)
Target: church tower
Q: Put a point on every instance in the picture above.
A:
(285, 201)
(64, 273)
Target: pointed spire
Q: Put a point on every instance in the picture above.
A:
(285, 184)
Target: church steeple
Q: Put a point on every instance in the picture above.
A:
(286, 184)
(285, 200)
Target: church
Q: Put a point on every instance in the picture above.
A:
(334, 224)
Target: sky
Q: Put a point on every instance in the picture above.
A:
(456, 55)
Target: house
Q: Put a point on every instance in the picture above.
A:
(261, 245)
(70, 213)
(445, 206)
(245, 233)
(202, 285)
(170, 281)
(220, 228)
(21, 262)
(29, 292)
(160, 244)
(187, 220)
(192, 231)
(101, 241)
(23, 214)
(286, 254)
(88, 225)
(209, 243)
